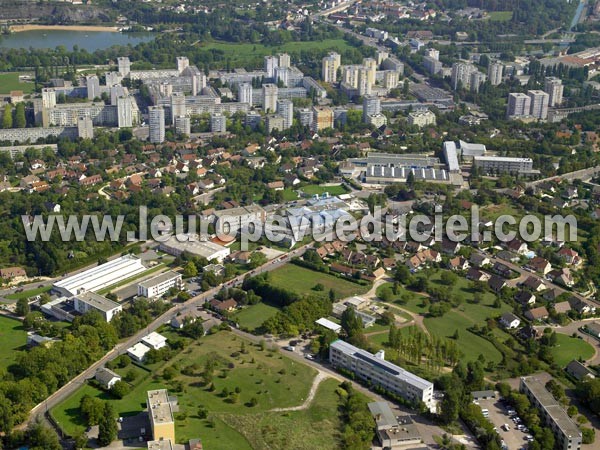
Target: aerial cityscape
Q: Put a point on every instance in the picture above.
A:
(300, 225)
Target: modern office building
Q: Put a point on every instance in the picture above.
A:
(269, 97)
(89, 301)
(503, 164)
(218, 123)
(566, 433)
(156, 124)
(539, 104)
(330, 65)
(124, 66)
(85, 128)
(322, 118)
(161, 408)
(554, 87)
(495, 73)
(379, 372)
(285, 108)
(158, 285)
(519, 105)
(245, 93)
(99, 277)
(92, 83)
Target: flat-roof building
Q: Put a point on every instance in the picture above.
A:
(154, 340)
(158, 285)
(89, 301)
(379, 372)
(393, 431)
(326, 323)
(176, 245)
(160, 411)
(138, 352)
(567, 434)
(503, 164)
(101, 276)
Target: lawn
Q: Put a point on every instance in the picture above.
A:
(29, 293)
(314, 189)
(251, 55)
(273, 379)
(13, 337)
(569, 348)
(253, 316)
(10, 82)
(500, 16)
(302, 281)
(289, 195)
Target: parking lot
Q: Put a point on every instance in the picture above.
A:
(498, 415)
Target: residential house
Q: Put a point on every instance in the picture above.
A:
(181, 320)
(276, 185)
(569, 256)
(534, 284)
(562, 307)
(510, 321)
(507, 255)
(581, 307)
(106, 377)
(223, 306)
(502, 270)
(535, 314)
(579, 371)
(525, 298)
(8, 273)
(479, 260)
(496, 283)
(458, 263)
(562, 276)
(540, 265)
(450, 247)
(516, 246)
(569, 193)
(474, 274)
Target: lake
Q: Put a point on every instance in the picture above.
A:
(89, 40)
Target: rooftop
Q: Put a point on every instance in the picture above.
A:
(97, 301)
(159, 406)
(383, 415)
(159, 279)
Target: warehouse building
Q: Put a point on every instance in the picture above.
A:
(158, 285)
(99, 277)
(195, 245)
(379, 372)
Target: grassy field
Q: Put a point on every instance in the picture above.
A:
(316, 427)
(569, 348)
(302, 281)
(500, 16)
(253, 316)
(12, 336)
(274, 380)
(313, 189)
(289, 195)
(29, 293)
(252, 54)
(10, 82)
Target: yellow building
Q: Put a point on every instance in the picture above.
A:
(160, 411)
(322, 118)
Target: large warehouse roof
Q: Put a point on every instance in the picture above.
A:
(100, 276)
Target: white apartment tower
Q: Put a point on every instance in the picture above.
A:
(178, 108)
(124, 112)
(285, 108)
(495, 73)
(183, 125)
(85, 128)
(284, 60)
(182, 63)
(48, 98)
(539, 104)
(269, 97)
(371, 107)
(519, 105)
(93, 87)
(554, 87)
(218, 123)
(371, 65)
(330, 65)
(270, 63)
(156, 123)
(124, 66)
(245, 93)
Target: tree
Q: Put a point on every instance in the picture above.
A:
(22, 308)
(202, 412)
(351, 323)
(7, 121)
(41, 437)
(588, 435)
(92, 408)
(81, 440)
(190, 270)
(402, 274)
(107, 426)
(448, 278)
(20, 121)
(120, 389)
(450, 407)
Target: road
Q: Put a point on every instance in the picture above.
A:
(583, 174)
(121, 348)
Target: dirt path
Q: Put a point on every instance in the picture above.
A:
(311, 395)
(416, 318)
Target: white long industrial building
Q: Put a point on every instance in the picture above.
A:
(99, 277)
(379, 372)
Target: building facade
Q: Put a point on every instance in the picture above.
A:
(160, 284)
